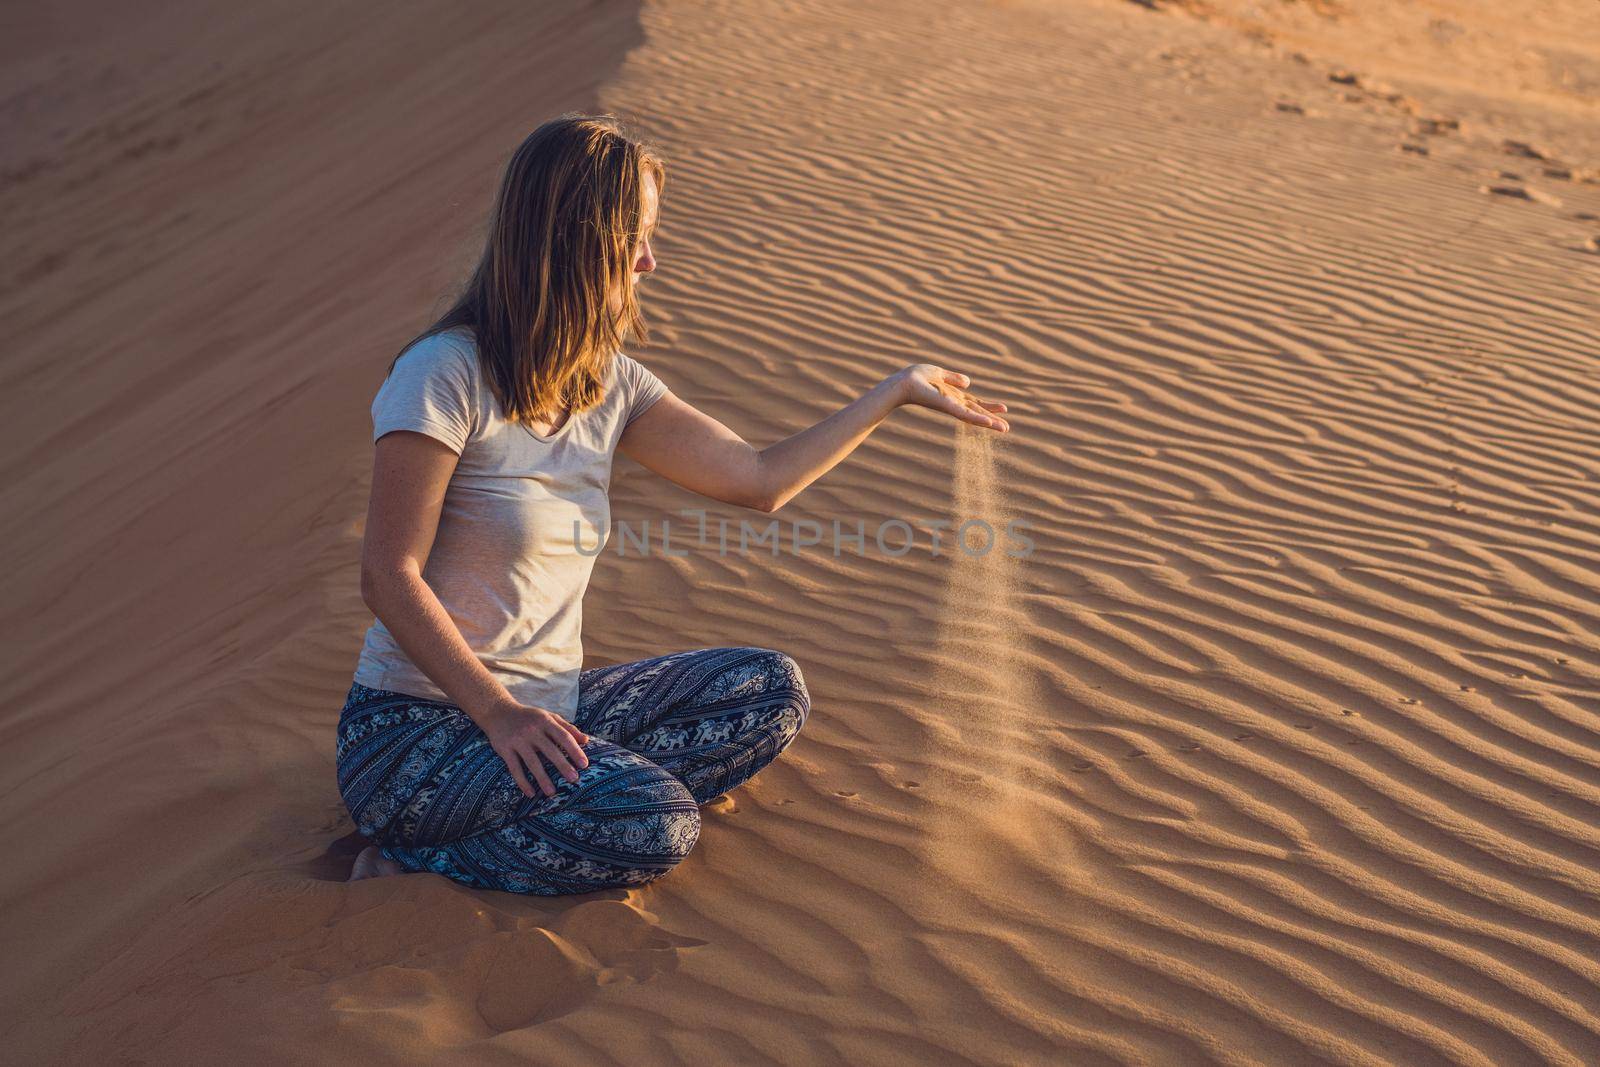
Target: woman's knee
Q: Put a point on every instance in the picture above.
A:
(666, 839)
(785, 677)
(645, 819)
(780, 677)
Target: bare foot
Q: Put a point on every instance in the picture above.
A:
(372, 863)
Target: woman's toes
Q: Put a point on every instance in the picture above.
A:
(372, 863)
(364, 865)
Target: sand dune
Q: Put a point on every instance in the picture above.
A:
(1281, 747)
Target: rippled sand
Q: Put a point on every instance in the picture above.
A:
(1280, 747)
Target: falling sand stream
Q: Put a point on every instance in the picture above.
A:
(1005, 808)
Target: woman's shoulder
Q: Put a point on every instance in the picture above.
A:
(635, 384)
(453, 348)
(628, 370)
(447, 359)
(433, 388)
(621, 368)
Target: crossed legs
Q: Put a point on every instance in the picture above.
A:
(667, 734)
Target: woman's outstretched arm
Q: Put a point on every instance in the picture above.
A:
(685, 445)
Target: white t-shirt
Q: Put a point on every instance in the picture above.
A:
(506, 562)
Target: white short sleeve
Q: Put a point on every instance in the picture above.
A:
(430, 390)
(642, 387)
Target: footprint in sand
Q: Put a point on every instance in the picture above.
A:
(1523, 150)
(1518, 192)
(1434, 127)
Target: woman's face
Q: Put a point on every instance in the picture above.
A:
(644, 260)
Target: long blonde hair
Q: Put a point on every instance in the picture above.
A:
(563, 237)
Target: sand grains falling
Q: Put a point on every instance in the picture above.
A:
(981, 626)
(987, 696)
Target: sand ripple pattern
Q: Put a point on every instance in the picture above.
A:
(1280, 748)
(1299, 761)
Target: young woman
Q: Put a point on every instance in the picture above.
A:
(472, 743)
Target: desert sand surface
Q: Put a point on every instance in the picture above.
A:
(1281, 747)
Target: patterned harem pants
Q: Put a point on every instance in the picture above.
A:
(666, 735)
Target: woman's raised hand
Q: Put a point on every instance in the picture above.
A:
(946, 391)
(521, 733)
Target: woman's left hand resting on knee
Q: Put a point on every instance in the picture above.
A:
(685, 445)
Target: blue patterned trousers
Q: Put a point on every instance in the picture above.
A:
(666, 735)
